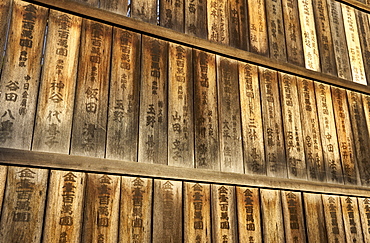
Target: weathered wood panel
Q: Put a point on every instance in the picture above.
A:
(91, 106)
(258, 36)
(364, 36)
(115, 6)
(205, 112)
(171, 15)
(92, 3)
(167, 211)
(58, 82)
(333, 219)
(144, 10)
(238, 28)
(123, 116)
(218, 21)
(364, 209)
(366, 105)
(197, 214)
(136, 210)
(20, 75)
(249, 214)
(5, 13)
(351, 219)
(252, 128)
(153, 101)
(180, 107)
(229, 115)
(101, 209)
(63, 219)
(3, 174)
(315, 220)
(196, 18)
(24, 204)
(272, 123)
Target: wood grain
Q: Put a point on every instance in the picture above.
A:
(315, 220)
(333, 218)
(364, 34)
(218, 21)
(364, 209)
(171, 14)
(351, 219)
(92, 3)
(115, 6)
(196, 18)
(238, 27)
(144, 10)
(5, 13)
(3, 174)
(258, 36)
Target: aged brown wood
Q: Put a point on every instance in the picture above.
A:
(333, 218)
(364, 34)
(167, 211)
(92, 3)
(364, 209)
(351, 219)
(252, 128)
(23, 207)
(180, 107)
(5, 13)
(196, 18)
(197, 212)
(229, 115)
(366, 105)
(58, 82)
(3, 174)
(238, 27)
(171, 14)
(218, 21)
(153, 106)
(144, 10)
(258, 37)
(115, 6)
(20, 75)
(135, 209)
(315, 220)
(123, 115)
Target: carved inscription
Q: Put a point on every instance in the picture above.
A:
(293, 217)
(333, 218)
(351, 219)
(364, 207)
(257, 27)
(238, 29)
(172, 14)
(196, 18)
(218, 26)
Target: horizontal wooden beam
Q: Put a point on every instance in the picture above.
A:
(194, 42)
(13, 157)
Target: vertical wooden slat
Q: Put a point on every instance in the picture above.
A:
(180, 107)
(167, 211)
(276, 33)
(364, 208)
(24, 203)
(196, 18)
(3, 174)
(258, 36)
(197, 214)
(218, 21)
(153, 101)
(366, 105)
(333, 218)
(21, 71)
(171, 14)
(293, 35)
(58, 81)
(252, 128)
(5, 13)
(63, 220)
(249, 215)
(351, 219)
(328, 133)
(115, 6)
(224, 224)
(144, 10)
(272, 124)
(364, 34)
(293, 136)
(135, 210)
(205, 110)
(272, 216)
(315, 220)
(123, 116)
(91, 106)
(311, 131)
(238, 28)
(229, 115)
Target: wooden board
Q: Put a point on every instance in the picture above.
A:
(258, 42)
(180, 107)
(351, 219)
(293, 216)
(249, 214)
(153, 105)
(229, 115)
(311, 131)
(5, 13)
(333, 218)
(353, 44)
(24, 204)
(135, 210)
(293, 136)
(197, 214)
(58, 82)
(115, 6)
(92, 3)
(364, 34)
(123, 115)
(20, 76)
(167, 211)
(252, 128)
(364, 209)
(272, 216)
(101, 209)
(339, 40)
(3, 173)
(238, 28)
(224, 224)
(272, 123)
(205, 110)
(218, 21)
(292, 26)
(276, 33)
(171, 15)
(63, 220)
(315, 220)
(196, 18)
(309, 37)
(366, 106)
(328, 133)
(91, 107)
(144, 10)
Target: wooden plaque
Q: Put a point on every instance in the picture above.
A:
(229, 115)
(171, 15)
(3, 173)
(197, 214)
(5, 13)
(218, 21)
(20, 74)
(196, 18)
(153, 105)
(115, 6)
(351, 219)
(58, 82)
(252, 128)
(315, 220)
(364, 208)
(364, 34)
(144, 10)
(258, 37)
(123, 115)
(366, 105)
(136, 210)
(238, 28)
(180, 107)
(249, 214)
(333, 218)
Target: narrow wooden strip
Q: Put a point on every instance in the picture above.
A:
(171, 15)
(5, 13)
(238, 28)
(144, 10)
(364, 208)
(258, 37)
(218, 21)
(333, 218)
(115, 6)
(315, 220)
(3, 175)
(20, 75)
(364, 34)
(24, 204)
(196, 18)
(366, 105)
(351, 218)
